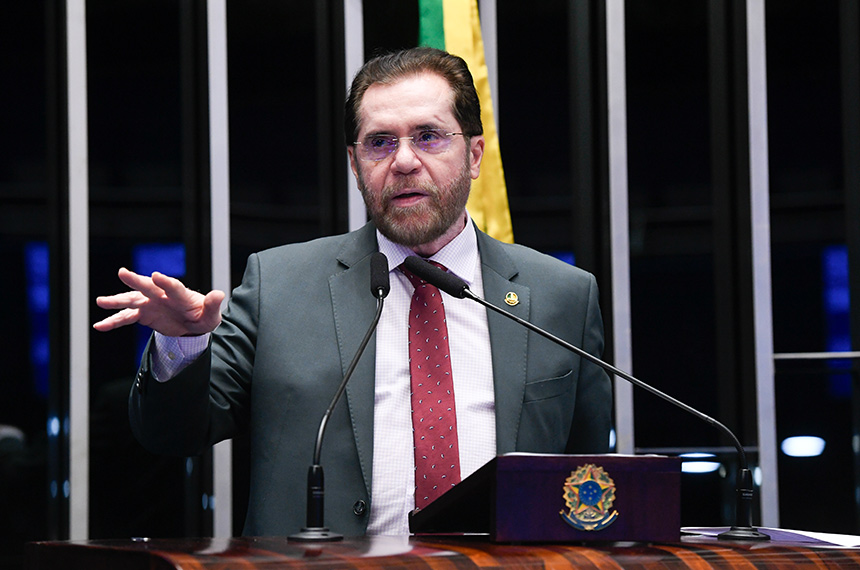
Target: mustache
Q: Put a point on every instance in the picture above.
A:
(398, 187)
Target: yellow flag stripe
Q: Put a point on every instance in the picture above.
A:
(488, 202)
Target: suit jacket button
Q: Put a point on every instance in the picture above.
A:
(359, 508)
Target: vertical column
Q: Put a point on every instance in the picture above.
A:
(77, 487)
(489, 35)
(219, 176)
(849, 35)
(618, 216)
(353, 23)
(760, 220)
(586, 151)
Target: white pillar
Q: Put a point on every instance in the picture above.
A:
(489, 35)
(77, 424)
(616, 69)
(760, 220)
(353, 26)
(219, 177)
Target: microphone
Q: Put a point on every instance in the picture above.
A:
(456, 287)
(315, 529)
(379, 283)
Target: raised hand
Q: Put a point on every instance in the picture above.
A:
(163, 304)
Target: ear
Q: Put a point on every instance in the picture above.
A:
(476, 153)
(350, 150)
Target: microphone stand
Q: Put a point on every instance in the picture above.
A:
(742, 529)
(315, 529)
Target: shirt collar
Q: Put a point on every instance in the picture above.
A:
(459, 256)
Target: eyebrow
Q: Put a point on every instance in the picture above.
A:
(416, 129)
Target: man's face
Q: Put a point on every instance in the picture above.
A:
(416, 198)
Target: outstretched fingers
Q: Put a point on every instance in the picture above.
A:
(129, 299)
(162, 303)
(170, 287)
(141, 283)
(117, 320)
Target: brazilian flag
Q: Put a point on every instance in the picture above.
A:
(454, 26)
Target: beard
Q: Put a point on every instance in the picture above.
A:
(421, 223)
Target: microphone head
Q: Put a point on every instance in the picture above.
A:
(379, 282)
(445, 281)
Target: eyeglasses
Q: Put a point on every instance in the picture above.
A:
(377, 147)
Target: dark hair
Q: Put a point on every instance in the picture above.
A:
(389, 68)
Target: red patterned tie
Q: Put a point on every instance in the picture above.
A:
(434, 415)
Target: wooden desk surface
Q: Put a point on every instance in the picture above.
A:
(697, 553)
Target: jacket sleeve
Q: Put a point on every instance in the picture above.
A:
(209, 400)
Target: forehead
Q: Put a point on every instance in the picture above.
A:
(411, 102)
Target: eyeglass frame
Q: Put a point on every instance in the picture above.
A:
(410, 138)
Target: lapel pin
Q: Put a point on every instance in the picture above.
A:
(512, 299)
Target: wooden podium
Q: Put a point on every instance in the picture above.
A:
(443, 552)
(522, 497)
(529, 511)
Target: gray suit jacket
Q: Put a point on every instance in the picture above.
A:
(292, 328)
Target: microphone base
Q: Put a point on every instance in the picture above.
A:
(315, 534)
(743, 533)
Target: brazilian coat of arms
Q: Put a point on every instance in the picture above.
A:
(589, 493)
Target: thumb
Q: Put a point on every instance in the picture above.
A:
(213, 299)
(212, 308)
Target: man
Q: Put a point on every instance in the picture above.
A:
(414, 140)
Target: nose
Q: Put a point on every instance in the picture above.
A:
(405, 157)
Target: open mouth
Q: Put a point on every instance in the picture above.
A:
(408, 198)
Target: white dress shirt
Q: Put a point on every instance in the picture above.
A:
(393, 487)
(393, 493)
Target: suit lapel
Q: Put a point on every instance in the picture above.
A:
(353, 308)
(508, 340)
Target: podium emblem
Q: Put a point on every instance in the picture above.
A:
(589, 493)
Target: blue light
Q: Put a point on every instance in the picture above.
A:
(36, 261)
(699, 467)
(803, 446)
(837, 304)
(565, 256)
(697, 463)
(167, 258)
(53, 426)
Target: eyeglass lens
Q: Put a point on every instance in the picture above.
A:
(377, 147)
